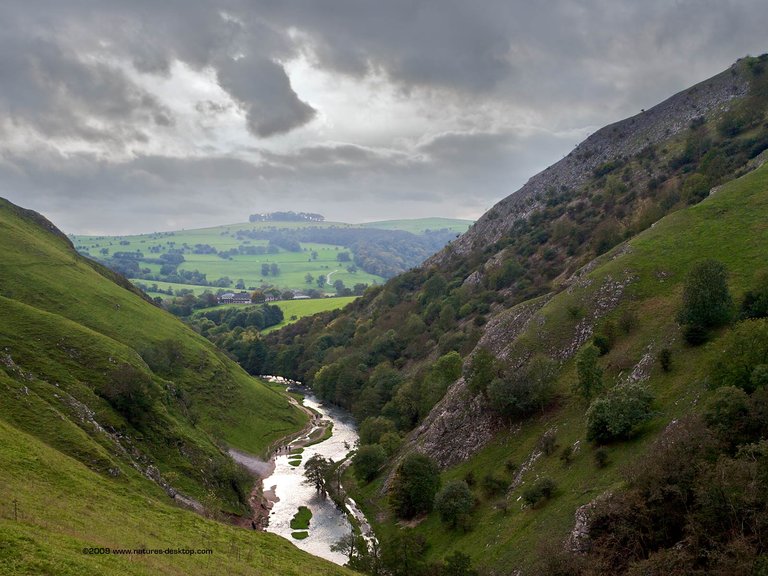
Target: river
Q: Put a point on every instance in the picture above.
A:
(328, 523)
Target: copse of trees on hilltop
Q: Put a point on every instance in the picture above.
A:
(289, 216)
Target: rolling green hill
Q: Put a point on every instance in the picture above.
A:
(111, 410)
(238, 251)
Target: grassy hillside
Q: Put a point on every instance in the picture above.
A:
(730, 227)
(295, 309)
(143, 390)
(52, 507)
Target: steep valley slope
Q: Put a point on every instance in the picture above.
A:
(593, 253)
(114, 420)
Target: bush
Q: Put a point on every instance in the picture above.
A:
(590, 375)
(548, 443)
(129, 391)
(414, 486)
(601, 457)
(368, 461)
(541, 490)
(454, 503)
(492, 484)
(617, 415)
(706, 300)
(523, 391)
(665, 359)
(744, 356)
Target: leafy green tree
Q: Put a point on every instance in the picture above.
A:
(482, 370)
(542, 489)
(265, 269)
(316, 471)
(707, 303)
(743, 359)
(368, 460)
(590, 375)
(403, 553)
(274, 269)
(524, 390)
(414, 486)
(754, 304)
(454, 503)
(322, 280)
(372, 429)
(617, 415)
(458, 564)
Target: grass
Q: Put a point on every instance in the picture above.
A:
(300, 520)
(293, 310)
(294, 266)
(62, 507)
(729, 226)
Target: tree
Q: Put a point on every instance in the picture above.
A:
(754, 304)
(308, 278)
(617, 415)
(707, 303)
(368, 460)
(482, 371)
(590, 375)
(524, 390)
(274, 268)
(743, 359)
(458, 564)
(265, 269)
(258, 297)
(343, 257)
(454, 503)
(350, 545)
(414, 486)
(316, 471)
(321, 280)
(373, 428)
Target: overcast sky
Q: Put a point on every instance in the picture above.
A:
(127, 116)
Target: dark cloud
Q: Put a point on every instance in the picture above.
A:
(502, 88)
(264, 90)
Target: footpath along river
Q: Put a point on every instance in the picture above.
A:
(285, 486)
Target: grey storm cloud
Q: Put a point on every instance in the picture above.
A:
(503, 88)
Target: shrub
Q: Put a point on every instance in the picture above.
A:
(617, 415)
(454, 503)
(590, 375)
(541, 490)
(706, 300)
(414, 486)
(521, 392)
(566, 455)
(601, 457)
(368, 461)
(548, 443)
(492, 484)
(665, 359)
(744, 356)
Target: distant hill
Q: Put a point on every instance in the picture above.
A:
(114, 413)
(241, 256)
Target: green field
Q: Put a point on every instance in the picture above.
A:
(293, 266)
(301, 308)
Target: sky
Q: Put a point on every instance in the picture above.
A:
(131, 116)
